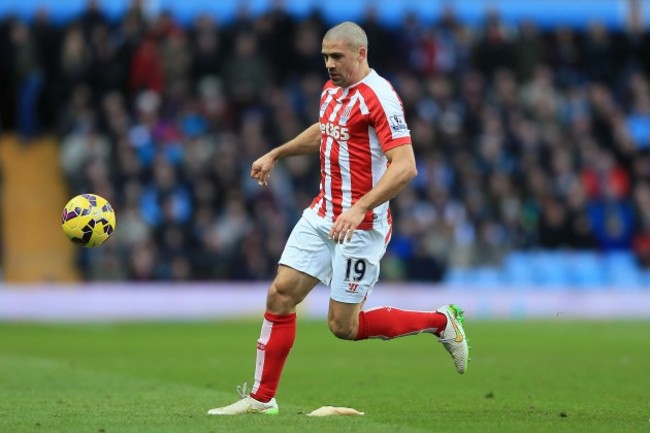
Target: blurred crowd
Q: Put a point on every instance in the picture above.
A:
(526, 138)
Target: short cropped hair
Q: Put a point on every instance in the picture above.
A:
(349, 32)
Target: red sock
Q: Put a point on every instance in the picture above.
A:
(389, 322)
(276, 340)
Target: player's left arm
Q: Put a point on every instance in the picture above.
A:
(399, 173)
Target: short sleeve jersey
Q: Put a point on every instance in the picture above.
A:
(358, 124)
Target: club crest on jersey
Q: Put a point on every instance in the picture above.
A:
(397, 122)
(343, 120)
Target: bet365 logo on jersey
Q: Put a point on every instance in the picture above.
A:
(335, 131)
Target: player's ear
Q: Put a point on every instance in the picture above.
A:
(363, 53)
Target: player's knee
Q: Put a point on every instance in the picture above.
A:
(279, 299)
(343, 330)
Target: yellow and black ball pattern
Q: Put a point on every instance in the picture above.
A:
(88, 220)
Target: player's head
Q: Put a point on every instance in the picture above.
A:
(345, 50)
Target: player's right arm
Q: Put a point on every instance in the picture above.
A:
(306, 142)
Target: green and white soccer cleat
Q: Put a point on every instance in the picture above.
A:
(247, 405)
(453, 337)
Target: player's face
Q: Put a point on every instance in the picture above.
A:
(344, 65)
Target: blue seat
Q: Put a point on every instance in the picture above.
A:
(554, 270)
(550, 270)
(619, 259)
(487, 277)
(458, 278)
(624, 278)
(473, 278)
(644, 279)
(585, 270)
(517, 269)
(621, 269)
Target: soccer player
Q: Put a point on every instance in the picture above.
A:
(366, 159)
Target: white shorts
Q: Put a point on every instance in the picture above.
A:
(351, 269)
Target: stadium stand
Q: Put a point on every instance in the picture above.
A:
(532, 140)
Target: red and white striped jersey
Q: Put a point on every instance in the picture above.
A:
(358, 124)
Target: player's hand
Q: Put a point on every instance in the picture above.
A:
(261, 169)
(346, 224)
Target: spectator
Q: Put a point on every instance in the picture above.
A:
(147, 71)
(529, 51)
(494, 50)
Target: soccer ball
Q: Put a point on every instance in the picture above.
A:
(88, 220)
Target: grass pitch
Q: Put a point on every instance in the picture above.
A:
(525, 377)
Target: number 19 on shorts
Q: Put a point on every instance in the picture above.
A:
(355, 269)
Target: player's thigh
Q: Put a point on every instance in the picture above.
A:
(309, 251)
(355, 266)
(288, 289)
